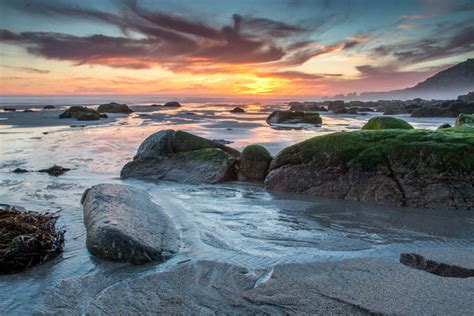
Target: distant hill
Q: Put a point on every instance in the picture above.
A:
(446, 84)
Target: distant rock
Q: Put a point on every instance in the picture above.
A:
(445, 109)
(351, 111)
(20, 170)
(294, 117)
(237, 110)
(307, 106)
(9, 109)
(28, 111)
(254, 163)
(443, 126)
(172, 104)
(114, 108)
(386, 122)
(82, 113)
(336, 105)
(467, 97)
(124, 225)
(55, 170)
(183, 157)
(394, 111)
(49, 107)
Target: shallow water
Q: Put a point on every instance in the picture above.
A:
(239, 223)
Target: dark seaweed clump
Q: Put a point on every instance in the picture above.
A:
(27, 239)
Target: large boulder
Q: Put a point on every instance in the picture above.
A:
(183, 157)
(124, 225)
(82, 113)
(254, 163)
(114, 108)
(294, 117)
(415, 168)
(386, 122)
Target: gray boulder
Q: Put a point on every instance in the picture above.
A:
(254, 163)
(124, 225)
(114, 107)
(183, 157)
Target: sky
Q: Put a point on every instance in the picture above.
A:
(228, 48)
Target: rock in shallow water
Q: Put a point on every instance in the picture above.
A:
(254, 163)
(114, 108)
(124, 225)
(294, 117)
(184, 157)
(415, 168)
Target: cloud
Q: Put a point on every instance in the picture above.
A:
(27, 69)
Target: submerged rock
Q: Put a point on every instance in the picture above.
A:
(386, 122)
(294, 117)
(27, 239)
(172, 104)
(184, 157)
(55, 170)
(20, 170)
(254, 163)
(415, 168)
(124, 225)
(114, 108)
(9, 109)
(82, 113)
(49, 107)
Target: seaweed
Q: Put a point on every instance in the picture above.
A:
(27, 239)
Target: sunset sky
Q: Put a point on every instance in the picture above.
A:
(247, 47)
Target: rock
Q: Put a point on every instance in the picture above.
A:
(20, 170)
(49, 107)
(172, 104)
(27, 239)
(9, 109)
(409, 108)
(361, 286)
(444, 262)
(170, 142)
(443, 126)
(114, 108)
(184, 157)
(414, 168)
(237, 110)
(124, 225)
(307, 106)
(336, 105)
(210, 165)
(254, 163)
(365, 109)
(394, 111)
(345, 111)
(467, 97)
(28, 111)
(465, 119)
(55, 170)
(222, 141)
(445, 109)
(386, 122)
(294, 117)
(81, 113)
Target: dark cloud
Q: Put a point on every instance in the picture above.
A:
(297, 75)
(27, 69)
(271, 27)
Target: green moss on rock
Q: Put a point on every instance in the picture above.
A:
(215, 155)
(256, 153)
(368, 148)
(465, 119)
(386, 122)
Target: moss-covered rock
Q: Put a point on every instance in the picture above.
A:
(465, 119)
(294, 117)
(114, 108)
(416, 168)
(386, 122)
(254, 163)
